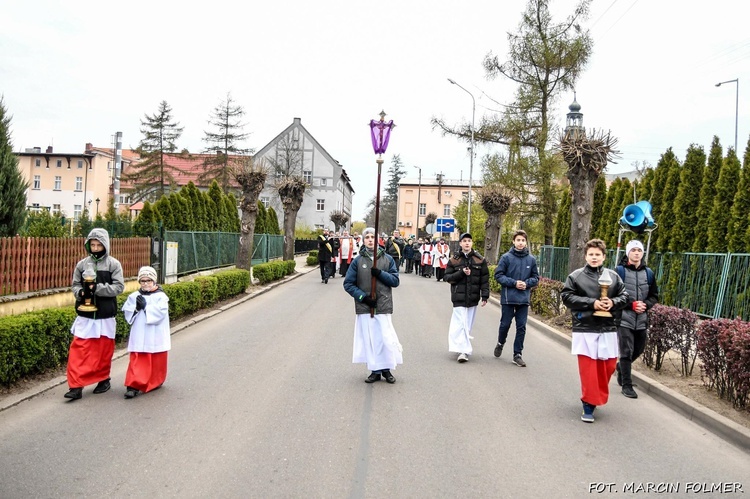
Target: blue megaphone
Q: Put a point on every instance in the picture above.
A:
(636, 217)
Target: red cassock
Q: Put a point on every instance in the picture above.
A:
(595, 375)
(146, 371)
(89, 360)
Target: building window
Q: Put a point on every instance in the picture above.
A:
(35, 207)
(320, 205)
(37, 182)
(307, 174)
(124, 199)
(79, 184)
(55, 208)
(422, 209)
(58, 183)
(80, 163)
(266, 201)
(109, 165)
(323, 181)
(76, 212)
(37, 162)
(446, 210)
(59, 163)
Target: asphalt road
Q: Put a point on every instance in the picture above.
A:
(262, 401)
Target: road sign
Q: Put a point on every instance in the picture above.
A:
(429, 228)
(445, 225)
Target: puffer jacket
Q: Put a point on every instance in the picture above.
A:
(358, 281)
(638, 288)
(109, 279)
(515, 266)
(467, 290)
(581, 290)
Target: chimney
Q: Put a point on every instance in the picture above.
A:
(89, 147)
(49, 149)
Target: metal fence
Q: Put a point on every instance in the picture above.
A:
(712, 285)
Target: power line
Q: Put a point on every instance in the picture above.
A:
(618, 20)
(602, 15)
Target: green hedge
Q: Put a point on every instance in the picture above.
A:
(273, 271)
(35, 342)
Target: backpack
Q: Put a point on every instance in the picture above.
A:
(649, 274)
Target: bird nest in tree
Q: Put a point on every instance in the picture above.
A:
(591, 151)
(494, 200)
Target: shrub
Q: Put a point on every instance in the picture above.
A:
(272, 271)
(735, 341)
(546, 299)
(671, 328)
(714, 373)
(209, 290)
(494, 285)
(232, 282)
(184, 298)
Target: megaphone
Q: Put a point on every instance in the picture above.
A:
(636, 217)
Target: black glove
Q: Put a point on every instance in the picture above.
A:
(140, 302)
(375, 271)
(370, 302)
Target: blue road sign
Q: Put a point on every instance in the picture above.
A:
(445, 225)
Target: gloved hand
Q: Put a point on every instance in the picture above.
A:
(140, 302)
(375, 271)
(370, 302)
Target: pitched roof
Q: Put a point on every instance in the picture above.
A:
(190, 167)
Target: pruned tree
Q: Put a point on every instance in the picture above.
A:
(223, 143)
(251, 177)
(495, 202)
(339, 219)
(153, 176)
(289, 183)
(12, 185)
(587, 155)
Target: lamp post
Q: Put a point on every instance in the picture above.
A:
(736, 108)
(419, 198)
(97, 206)
(471, 159)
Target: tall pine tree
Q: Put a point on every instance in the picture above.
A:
(688, 199)
(12, 185)
(721, 212)
(708, 192)
(740, 221)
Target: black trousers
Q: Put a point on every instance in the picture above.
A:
(632, 342)
(323, 270)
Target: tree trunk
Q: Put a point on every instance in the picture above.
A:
(290, 220)
(247, 233)
(492, 229)
(582, 185)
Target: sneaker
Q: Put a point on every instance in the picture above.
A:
(499, 349)
(131, 393)
(628, 391)
(619, 374)
(462, 357)
(389, 377)
(74, 393)
(102, 386)
(587, 416)
(518, 360)
(372, 378)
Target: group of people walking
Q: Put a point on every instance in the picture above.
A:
(609, 332)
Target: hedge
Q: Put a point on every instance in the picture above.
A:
(272, 271)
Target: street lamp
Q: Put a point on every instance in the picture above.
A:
(736, 108)
(97, 206)
(419, 198)
(471, 159)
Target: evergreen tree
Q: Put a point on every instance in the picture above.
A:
(389, 203)
(218, 209)
(226, 119)
(12, 185)
(153, 176)
(721, 212)
(44, 224)
(667, 216)
(625, 197)
(645, 185)
(600, 204)
(84, 225)
(739, 222)
(233, 218)
(659, 184)
(562, 224)
(707, 194)
(688, 199)
(610, 214)
(212, 214)
(164, 207)
(261, 219)
(146, 224)
(272, 222)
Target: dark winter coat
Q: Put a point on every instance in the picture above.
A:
(639, 289)
(515, 266)
(109, 279)
(358, 281)
(408, 252)
(467, 290)
(395, 247)
(581, 290)
(325, 250)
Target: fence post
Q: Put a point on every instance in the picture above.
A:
(722, 286)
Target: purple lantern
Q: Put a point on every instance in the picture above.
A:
(381, 133)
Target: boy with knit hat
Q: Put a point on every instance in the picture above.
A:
(632, 332)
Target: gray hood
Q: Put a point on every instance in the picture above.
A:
(100, 235)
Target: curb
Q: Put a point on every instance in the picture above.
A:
(14, 400)
(712, 421)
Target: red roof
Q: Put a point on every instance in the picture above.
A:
(190, 167)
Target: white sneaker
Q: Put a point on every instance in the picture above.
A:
(462, 357)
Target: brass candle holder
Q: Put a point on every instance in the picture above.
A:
(605, 281)
(89, 288)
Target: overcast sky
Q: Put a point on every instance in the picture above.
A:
(77, 72)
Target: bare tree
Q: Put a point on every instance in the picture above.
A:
(251, 176)
(289, 182)
(339, 219)
(496, 202)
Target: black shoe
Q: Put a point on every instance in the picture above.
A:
(326, 281)
(102, 386)
(499, 349)
(518, 360)
(372, 378)
(619, 374)
(74, 393)
(628, 391)
(130, 393)
(389, 377)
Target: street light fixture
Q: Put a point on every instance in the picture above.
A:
(736, 108)
(97, 206)
(419, 198)
(471, 159)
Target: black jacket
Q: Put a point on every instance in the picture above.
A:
(467, 290)
(325, 249)
(581, 290)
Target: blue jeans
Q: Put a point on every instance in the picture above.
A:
(520, 313)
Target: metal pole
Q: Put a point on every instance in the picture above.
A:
(419, 198)
(736, 81)
(379, 161)
(471, 159)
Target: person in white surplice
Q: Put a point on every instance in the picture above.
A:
(375, 339)
(469, 277)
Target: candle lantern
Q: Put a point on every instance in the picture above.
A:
(89, 288)
(605, 281)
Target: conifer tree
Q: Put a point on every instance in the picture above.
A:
(261, 220)
(12, 185)
(708, 191)
(218, 209)
(661, 176)
(146, 224)
(721, 212)
(610, 215)
(666, 226)
(562, 224)
(180, 213)
(645, 184)
(625, 197)
(212, 214)
(688, 199)
(740, 220)
(233, 218)
(600, 204)
(164, 208)
(272, 222)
